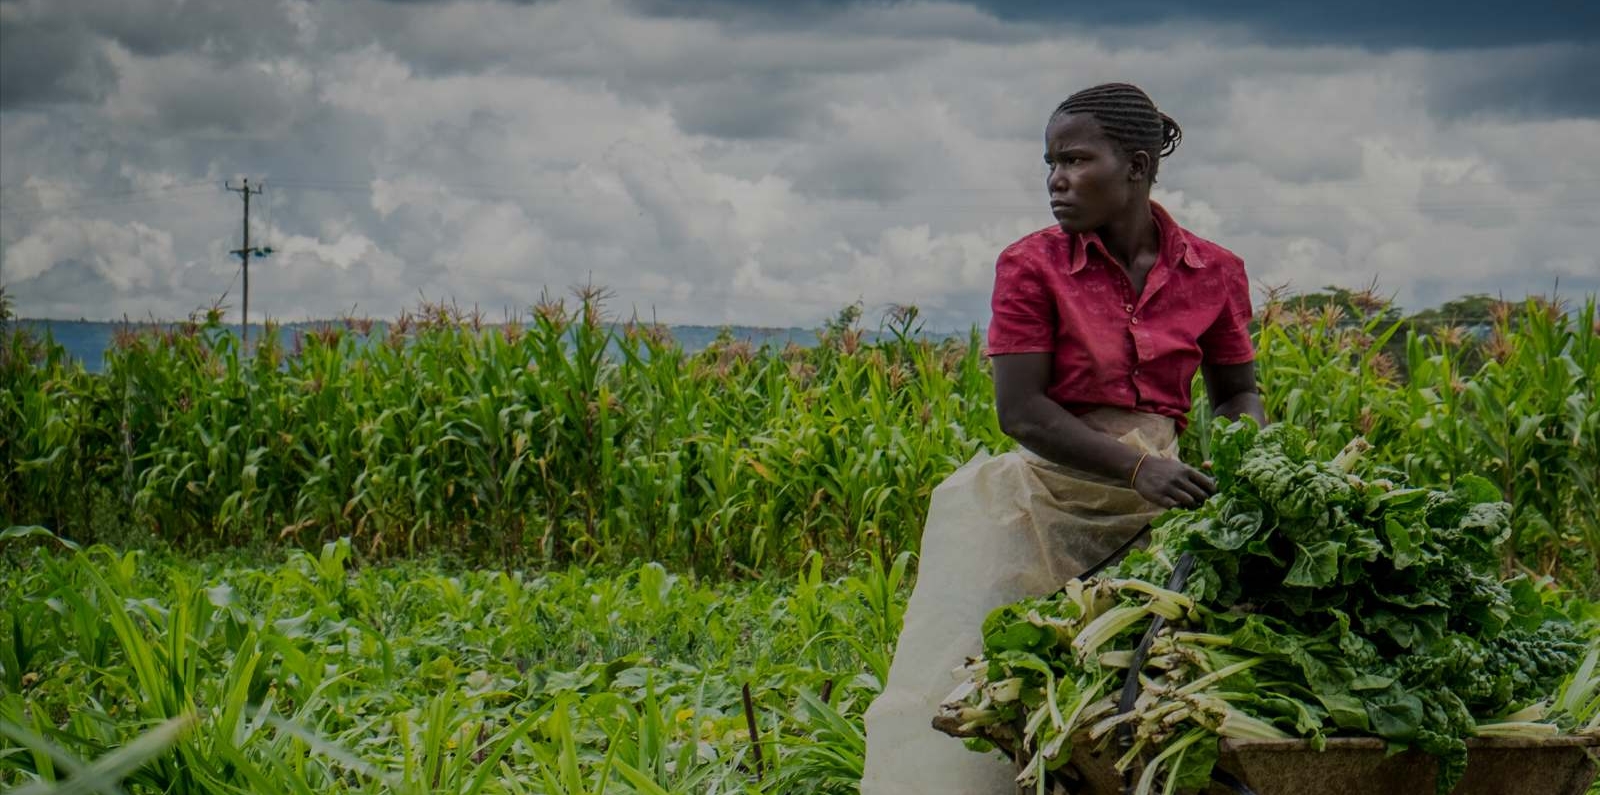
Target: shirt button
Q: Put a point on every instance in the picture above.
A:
(1128, 308)
(1134, 321)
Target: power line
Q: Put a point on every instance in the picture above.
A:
(267, 220)
(497, 188)
(127, 198)
(102, 192)
(487, 190)
(484, 190)
(1446, 209)
(231, 280)
(900, 205)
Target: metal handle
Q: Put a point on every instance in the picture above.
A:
(1130, 685)
(1228, 780)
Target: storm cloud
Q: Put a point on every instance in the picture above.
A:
(765, 164)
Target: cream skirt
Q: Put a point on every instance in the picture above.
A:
(1001, 528)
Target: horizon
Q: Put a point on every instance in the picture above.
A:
(1571, 302)
(1571, 305)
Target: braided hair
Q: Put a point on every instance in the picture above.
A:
(1129, 118)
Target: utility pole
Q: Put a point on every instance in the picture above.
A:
(244, 252)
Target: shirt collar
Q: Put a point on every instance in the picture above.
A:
(1174, 239)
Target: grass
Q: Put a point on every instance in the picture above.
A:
(315, 676)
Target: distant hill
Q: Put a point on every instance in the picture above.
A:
(87, 340)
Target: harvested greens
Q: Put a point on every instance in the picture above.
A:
(1327, 598)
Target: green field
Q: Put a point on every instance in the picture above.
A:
(548, 557)
(313, 675)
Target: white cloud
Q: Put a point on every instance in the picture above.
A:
(128, 256)
(190, 93)
(715, 172)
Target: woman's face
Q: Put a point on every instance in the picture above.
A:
(1090, 180)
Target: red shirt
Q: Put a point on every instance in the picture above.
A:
(1064, 294)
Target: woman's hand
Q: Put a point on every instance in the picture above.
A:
(1172, 484)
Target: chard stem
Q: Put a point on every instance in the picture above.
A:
(1202, 638)
(1219, 675)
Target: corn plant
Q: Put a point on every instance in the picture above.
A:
(572, 439)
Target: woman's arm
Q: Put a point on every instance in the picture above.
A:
(1028, 415)
(1233, 391)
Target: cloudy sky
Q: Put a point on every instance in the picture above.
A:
(766, 164)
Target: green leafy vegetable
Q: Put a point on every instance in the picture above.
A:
(1326, 598)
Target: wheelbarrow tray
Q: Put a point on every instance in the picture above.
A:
(1560, 765)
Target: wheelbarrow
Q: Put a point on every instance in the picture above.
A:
(1556, 765)
(1559, 765)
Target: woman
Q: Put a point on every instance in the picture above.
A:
(1099, 324)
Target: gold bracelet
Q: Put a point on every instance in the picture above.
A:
(1135, 475)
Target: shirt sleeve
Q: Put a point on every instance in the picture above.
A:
(1023, 314)
(1227, 341)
